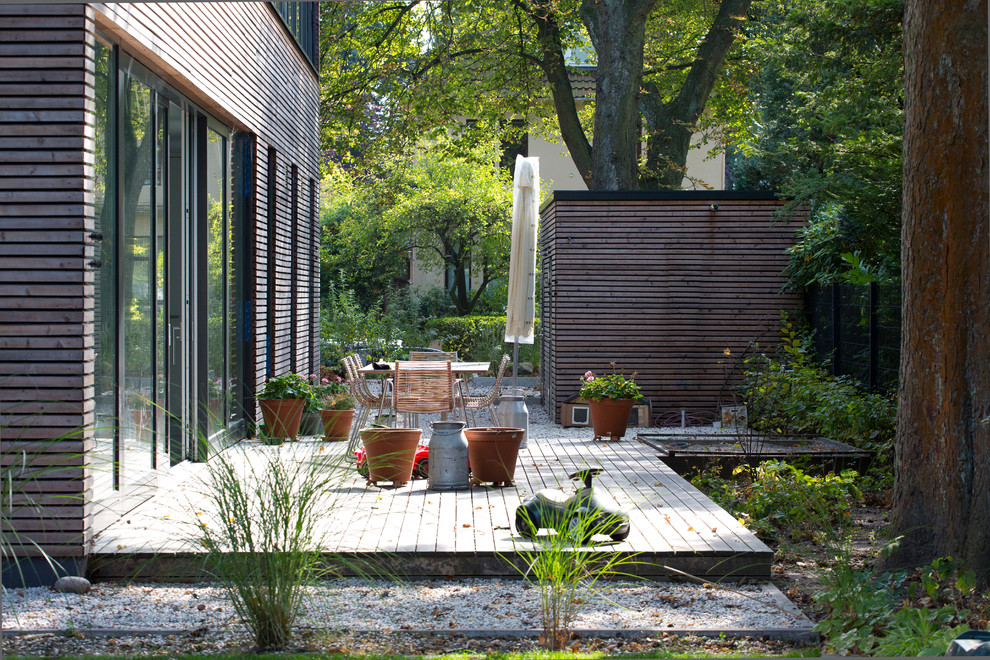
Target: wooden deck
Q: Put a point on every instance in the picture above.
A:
(416, 532)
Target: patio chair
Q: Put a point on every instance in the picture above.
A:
(488, 399)
(367, 400)
(425, 387)
(432, 356)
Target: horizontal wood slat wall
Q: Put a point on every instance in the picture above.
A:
(234, 61)
(46, 286)
(662, 285)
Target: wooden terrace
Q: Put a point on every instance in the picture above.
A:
(416, 532)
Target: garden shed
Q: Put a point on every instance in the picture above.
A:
(661, 283)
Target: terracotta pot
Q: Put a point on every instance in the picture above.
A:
(492, 453)
(391, 454)
(609, 417)
(282, 416)
(337, 424)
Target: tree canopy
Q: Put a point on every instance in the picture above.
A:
(823, 125)
(451, 205)
(394, 72)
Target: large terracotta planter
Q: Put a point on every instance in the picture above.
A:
(609, 417)
(492, 453)
(282, 416)
(391, 454)
(337, 424)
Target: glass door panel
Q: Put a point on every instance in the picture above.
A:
(138, 136)
(218, 384)
(104, 300)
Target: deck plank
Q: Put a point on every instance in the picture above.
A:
(468, 532)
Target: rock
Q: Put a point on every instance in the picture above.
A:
(525, 368)
(72, 584)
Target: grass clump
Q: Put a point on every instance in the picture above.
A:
(261, 539)
(567, 574)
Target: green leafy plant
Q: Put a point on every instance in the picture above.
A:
(286, 386)
(779, 501)
(261, 539)
(918, 631)
(789, 394)
(567, 575)
(610, 386)
(857, 602)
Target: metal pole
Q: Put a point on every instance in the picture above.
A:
(515, 363)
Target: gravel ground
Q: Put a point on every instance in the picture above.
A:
(421, 617)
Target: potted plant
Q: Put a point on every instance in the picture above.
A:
(391, 453)
(610, 400)
(283, 399)
(492, 453)
(337, 407)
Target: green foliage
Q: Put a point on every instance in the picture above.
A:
(824, 128)
(449, 205)
(916, 631)
(789, 394)
(862, 614)
(286, 386)
(386, 87)
(857, 603)
(381, 332)
(327, 392)
(260, 539)
(470, 337)
(610, 386)
(780, 502)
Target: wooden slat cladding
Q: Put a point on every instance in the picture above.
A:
(662, 285)
(46, 287)
(235, 62)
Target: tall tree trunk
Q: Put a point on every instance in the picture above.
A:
(942, 488)
(672, 124)
(618, 32)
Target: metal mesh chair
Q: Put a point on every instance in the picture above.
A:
(367, 400)
(488, 399)
(425, 387)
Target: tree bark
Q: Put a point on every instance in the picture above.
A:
(554, 67)
(618, 32)
(672, 124)
(942, 470)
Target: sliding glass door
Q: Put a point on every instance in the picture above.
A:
(167, 342)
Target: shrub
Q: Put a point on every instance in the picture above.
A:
(286, 386)
(791, 395)
(479, 338)
(779, 501)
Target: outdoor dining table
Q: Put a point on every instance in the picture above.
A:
(457, 369)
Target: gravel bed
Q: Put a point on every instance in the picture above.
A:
(440, 605)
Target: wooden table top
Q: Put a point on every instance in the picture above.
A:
(455, 367)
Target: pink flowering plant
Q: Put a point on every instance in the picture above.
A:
(609, 386)
(330, 392)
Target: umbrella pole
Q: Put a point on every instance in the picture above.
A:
(515, 364)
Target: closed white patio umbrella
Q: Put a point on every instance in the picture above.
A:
(520, 311)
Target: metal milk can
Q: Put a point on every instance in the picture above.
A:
(448, 466)
(513, 413)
